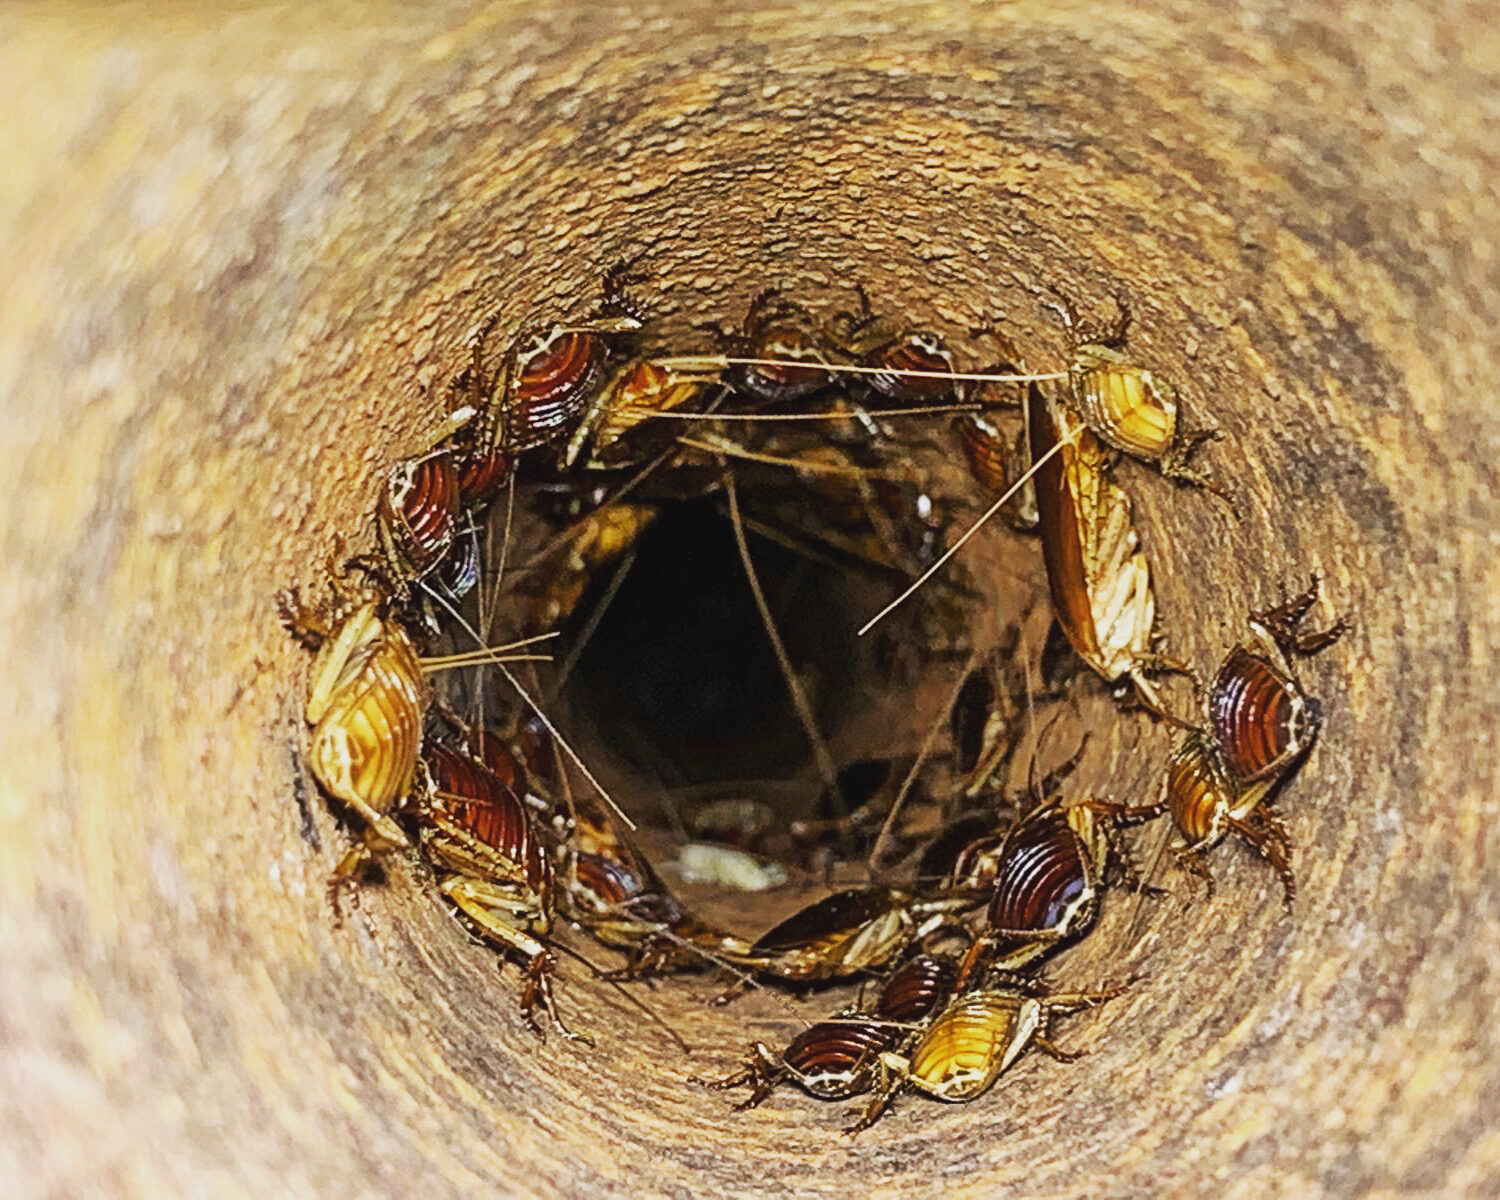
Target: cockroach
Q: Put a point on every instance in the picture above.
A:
(493, 867)
(777, 328)
(901, 367)
(632, 395)
(1262, 721)
(365, 702)
(972, 1043)
(1259, 725)
(614, 893)
(1129, 407)
(548, 375)
(831, 1060)
(1098, 576)
(419, 510)
(1045, 883)
(843, 934)
(996, 462)
(917, 988)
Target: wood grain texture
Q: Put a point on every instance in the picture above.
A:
(243, 253)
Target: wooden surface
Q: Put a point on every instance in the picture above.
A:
(242, 254)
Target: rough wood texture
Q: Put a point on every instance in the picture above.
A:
(242, 255)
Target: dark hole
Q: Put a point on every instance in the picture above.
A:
(680, 682)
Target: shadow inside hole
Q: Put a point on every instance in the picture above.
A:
(680, 678)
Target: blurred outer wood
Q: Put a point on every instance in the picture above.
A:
(242, 255)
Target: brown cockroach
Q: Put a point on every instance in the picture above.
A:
(493, 867)
(839, 1058)
(1098, 576)
(419, 509)
(636, 392)
(843, 934)
(831, 1060)
(917, 987)
(972, 1043)
(1044, 884)
(365, 702)
(1259, 725)
(614, 893)
(1127, 406)
(779, 329)
(548, 375)
(996, 462)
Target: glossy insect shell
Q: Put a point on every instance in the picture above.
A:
(499, 758)
(916, 988)
(418, 510)
(1260, 720)
(550, 388)
(1198, 793)
(1127, 406)
(779, 329)
(1046, 881)
(481, 476)
(911, 352)
(473, 799)
(972, 1043)
(1099, 580)
(457, 573)
(631, 396)
(833, 1060)
(365, 703)
(996, 463)
(840, 912)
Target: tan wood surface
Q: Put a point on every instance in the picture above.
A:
(242, 254)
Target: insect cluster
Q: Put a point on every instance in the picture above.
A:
(948, 938)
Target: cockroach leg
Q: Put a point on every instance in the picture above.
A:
(1191, 862)
(1047, 1046)
(1265, 831)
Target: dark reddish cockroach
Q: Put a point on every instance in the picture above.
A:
(996, 462)
(1262, 721)
(917, 988)
(832, 1060)
(777, 328)
(418, 513)
(842, 934)
(1260, 724)
(493, 867)
(547, 375)
(613, 892)
(908, 352)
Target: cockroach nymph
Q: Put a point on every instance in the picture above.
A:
(548, 375)
(776, 327)
(493, 867)
(831, 1060)
(1258, 725)
(1127, 406)
(972, 1043)
(418, 512)
(365, 703)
